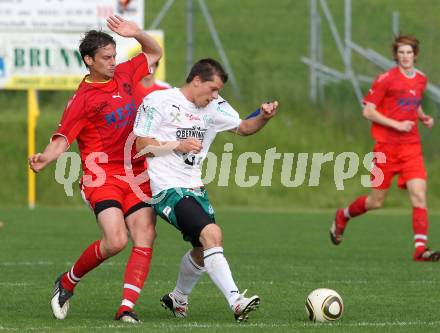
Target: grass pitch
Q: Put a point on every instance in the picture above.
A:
(280, 256)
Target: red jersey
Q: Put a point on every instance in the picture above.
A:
(141, 91)
(397, 97)
(101, 116)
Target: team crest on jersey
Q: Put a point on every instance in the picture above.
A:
(175, 117)
(101, 106)
(175, 114)
(195, 132)
(127, 88)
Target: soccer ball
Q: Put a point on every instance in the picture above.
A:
(324, 305)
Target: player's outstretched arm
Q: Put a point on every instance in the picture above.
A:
(126, 28)
(254, 124)
(54, 149)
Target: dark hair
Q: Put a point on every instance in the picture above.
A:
(92, 41)
(405, 40)
(206, 69)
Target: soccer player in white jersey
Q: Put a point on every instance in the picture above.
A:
(176, 127)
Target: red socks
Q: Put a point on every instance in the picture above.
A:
(88, 260)
(357, 207)
(420, 228)
(136, 272)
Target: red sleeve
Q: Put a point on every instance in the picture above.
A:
(425, 83)
(137, 67)
(73, 120)
(378, 90)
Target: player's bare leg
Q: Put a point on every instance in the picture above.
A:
(114, 239)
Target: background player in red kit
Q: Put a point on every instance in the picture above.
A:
(100, 116)
(148, 84)
(393, 106)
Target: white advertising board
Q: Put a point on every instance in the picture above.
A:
(51, 61)
(66, 15)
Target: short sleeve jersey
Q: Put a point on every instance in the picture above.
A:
(397, 97)
(101, 117)
(167, 115)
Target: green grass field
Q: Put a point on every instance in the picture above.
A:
(281, 256)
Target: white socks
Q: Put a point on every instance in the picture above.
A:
(219, 272)
(189, 274)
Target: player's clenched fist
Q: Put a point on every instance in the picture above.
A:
(427, 121)
(189, 145)
(37, 162)
(405, 125)
(269, 109)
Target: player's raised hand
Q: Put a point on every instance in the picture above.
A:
(38, 162)
(122, 27)
(189, 145)
(269, 109)
(405, 125)
(427, 121)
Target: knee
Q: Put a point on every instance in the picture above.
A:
(149, 231)
(418, 199)
(375, 203)
(144, 236)
(211, 236)
(151, 234)
(116, 244)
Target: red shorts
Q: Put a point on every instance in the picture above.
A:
(116, 192)
(405, 160)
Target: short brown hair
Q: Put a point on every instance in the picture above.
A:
(92, 41)
(206, 69)
(405, 40)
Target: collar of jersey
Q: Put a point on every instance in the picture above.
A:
(109, 85)
(404, 75)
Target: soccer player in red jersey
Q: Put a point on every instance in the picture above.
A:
(100, 116)
(148, 84)
(393, 105)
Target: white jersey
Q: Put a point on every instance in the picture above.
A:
(167, 115)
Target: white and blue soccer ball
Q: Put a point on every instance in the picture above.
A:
(324, 305)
